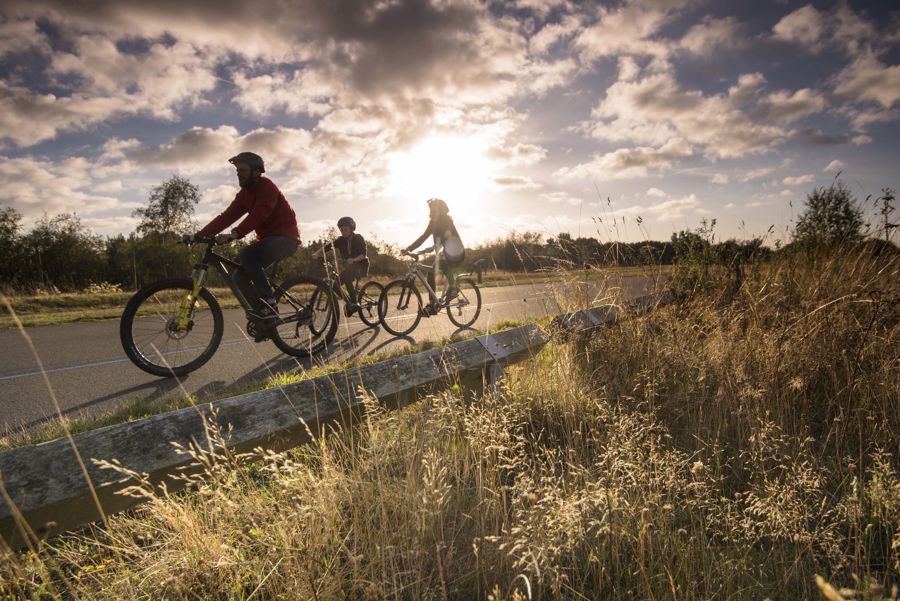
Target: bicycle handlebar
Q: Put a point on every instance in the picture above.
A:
(414, 255)
(192, 240)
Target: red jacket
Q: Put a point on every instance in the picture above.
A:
(269, 213)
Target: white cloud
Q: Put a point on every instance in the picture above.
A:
(867, 79)
(835, 165)
(746, 120)
(303, 92)
(798, 179)
(552, 34)
(804, 26)
(757, 173)
(628, 29)
(629, 163)
(110, 84)
(813, 29)
(656, 192)
(674, 208)
(852, 31)
(34, 187)
(515, 182)
(719, 178)
(519, 155)
(713, 34)
(21, 35)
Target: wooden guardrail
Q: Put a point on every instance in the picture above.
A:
(45, 491)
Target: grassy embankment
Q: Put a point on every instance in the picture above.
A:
(735, 445)
(51, 309)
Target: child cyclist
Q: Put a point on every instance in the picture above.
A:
(352, 249)
(448, 247)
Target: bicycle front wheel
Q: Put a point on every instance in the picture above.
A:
(368, 298)
(400, 307)
(307, 317)
(153, 338)
(466, 307)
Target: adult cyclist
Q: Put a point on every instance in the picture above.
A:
(352, 249)
(271, 216)
(448, 247)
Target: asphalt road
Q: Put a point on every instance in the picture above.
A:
(90, 375)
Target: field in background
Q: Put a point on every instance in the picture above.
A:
(742, 443)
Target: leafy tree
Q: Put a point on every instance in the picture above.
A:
(170, 209)
(63, 252)
(832, 216)
(10, 245)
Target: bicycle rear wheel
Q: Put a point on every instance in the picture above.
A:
(466, 307)
(400, 307)
(154, 340)
(368, 298)
(307, 317)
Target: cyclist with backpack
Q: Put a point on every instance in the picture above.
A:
(271, 216)
(448, 247)
(352, 249)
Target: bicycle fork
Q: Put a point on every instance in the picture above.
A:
(186, 309)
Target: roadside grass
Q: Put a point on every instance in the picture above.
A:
(54, 309)
(740, 444)
(134, 409)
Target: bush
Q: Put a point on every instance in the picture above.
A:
(832, 216)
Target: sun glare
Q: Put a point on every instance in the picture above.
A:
(454, 168)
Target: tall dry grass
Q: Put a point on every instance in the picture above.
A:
(734, 446)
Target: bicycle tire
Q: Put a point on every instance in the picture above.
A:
(470, 319)
(403, 287)
(126, 328)
(319, 338)
(370, 290)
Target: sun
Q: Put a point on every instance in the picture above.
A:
(454, 168)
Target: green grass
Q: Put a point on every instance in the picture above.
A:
(53, 309)
(741, 444)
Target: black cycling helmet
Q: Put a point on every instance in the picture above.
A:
(348, 222)
(251, 159)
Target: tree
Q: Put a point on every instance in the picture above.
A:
(832, 216)
(170, 209)
(10, 245)
(64, 253)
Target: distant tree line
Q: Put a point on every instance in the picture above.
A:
(61, 253)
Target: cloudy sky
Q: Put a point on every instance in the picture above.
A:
(624, 120)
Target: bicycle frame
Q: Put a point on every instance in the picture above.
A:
(331, 278)
(224, 266)
(415, 272)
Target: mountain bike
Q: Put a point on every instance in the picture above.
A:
(400, 306)
(175, 325)
(366, 297)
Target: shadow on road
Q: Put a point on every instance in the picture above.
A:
(160, 389)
